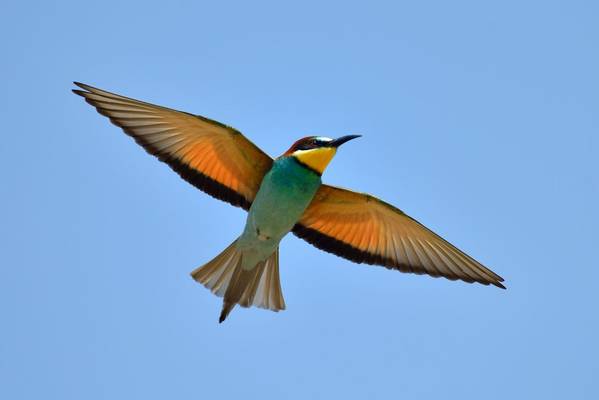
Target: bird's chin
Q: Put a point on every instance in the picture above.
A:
(316, 159)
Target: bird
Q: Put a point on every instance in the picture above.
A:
(280, 195)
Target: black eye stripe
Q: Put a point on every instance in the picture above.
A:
(310, 143)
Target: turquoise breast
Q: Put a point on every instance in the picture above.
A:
(285, 192)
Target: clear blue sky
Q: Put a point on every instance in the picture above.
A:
(480, 120)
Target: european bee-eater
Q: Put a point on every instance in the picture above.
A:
(281, 196)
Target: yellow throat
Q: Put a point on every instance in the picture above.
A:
(317, 159)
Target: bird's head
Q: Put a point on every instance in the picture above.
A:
(315, 152)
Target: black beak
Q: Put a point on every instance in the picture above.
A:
(339, 141)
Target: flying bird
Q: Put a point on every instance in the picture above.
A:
(281, 195)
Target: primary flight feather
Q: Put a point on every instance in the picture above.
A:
(281, 196)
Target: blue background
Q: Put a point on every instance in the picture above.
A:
(480, 119)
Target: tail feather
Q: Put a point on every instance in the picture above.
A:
(269, 294)
(259, 286)
(216, 274)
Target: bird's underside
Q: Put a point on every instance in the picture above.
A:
(220, 161)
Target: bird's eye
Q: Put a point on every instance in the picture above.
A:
(313, 143)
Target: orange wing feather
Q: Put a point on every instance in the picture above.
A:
(364, 229)
(211, 156)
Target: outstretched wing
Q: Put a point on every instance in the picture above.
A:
(211, 156)
(364, 229)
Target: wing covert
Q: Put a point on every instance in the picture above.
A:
(364, 229)
(211, 156)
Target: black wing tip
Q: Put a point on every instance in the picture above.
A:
(86, 89)
(499, 285)
(81, 85)
(79, 92)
